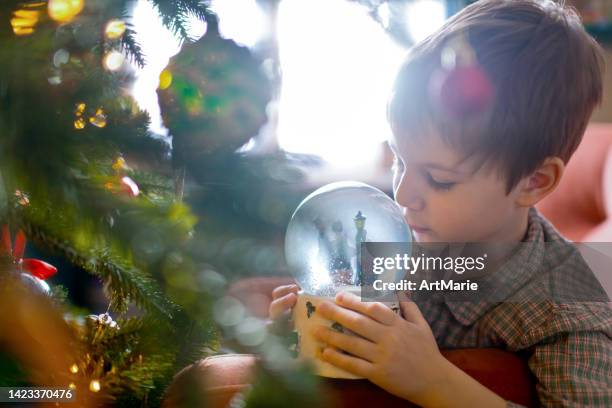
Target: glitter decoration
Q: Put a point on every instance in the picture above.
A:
(80, 108)
(119, 164)
(99, 119)
(79, 123)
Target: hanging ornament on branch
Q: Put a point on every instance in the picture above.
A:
(32, 272)
(120, 182)
(213, 96)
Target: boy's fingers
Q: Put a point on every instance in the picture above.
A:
(356, 322)
(280, 305)
(375, 310)
(351, 364)
(410, 310)
(284, 290)
(357, 346)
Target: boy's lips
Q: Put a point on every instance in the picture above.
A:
(418, 229)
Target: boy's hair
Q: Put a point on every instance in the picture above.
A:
(546, 73)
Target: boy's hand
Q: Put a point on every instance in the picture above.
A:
(283, 299)
(399, 355)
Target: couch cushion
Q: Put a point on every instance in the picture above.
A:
(578, 205)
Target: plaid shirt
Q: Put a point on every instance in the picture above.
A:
(569, 343)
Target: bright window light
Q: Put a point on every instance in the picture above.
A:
(241, 20)
(338, 66)
(158, 46)
(423, 17)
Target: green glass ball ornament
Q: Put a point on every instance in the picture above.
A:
(213, 96)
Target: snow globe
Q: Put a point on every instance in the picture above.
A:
(323, 249)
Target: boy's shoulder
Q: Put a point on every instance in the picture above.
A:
(561, 295)
(525, 324)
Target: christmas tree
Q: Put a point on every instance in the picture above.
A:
(83, 178)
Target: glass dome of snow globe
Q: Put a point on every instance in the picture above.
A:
(324, 236)
(323, 252)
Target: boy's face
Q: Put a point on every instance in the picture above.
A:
(447, 197)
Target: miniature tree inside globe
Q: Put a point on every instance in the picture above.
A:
(323, 252)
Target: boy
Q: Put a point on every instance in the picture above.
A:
(475, 177)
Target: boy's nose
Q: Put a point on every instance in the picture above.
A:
(408, 197)
(415, 204)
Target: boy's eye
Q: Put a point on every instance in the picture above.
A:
(438, 185)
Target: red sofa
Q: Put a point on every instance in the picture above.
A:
(580, 208)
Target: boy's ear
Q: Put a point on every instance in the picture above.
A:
(541, 182)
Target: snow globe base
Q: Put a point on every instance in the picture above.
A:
(306, 318)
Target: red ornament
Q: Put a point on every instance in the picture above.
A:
(38, 268)
(463, 91)
(35, 267)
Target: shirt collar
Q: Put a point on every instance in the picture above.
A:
(515, 273)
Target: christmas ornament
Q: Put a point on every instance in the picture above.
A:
(129, 186)
(213, 96)
(123, 185)
(37, 271)
(103, 320)
(461, 87)
(98, 325)
(323, 252)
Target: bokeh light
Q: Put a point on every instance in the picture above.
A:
(94, 386)
(242, 20)
(114, 29)
(228, 311)
(63, 11)
(251, 331)
(113, 60)
(24, 21)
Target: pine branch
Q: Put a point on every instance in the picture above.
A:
(175, 14)
(129, 44)
(124, 281)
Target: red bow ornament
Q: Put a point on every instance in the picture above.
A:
(35, 267)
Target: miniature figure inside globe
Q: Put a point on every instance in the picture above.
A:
(324, 236)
